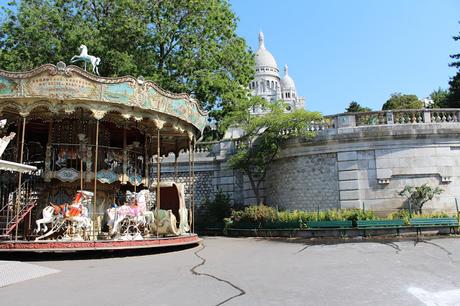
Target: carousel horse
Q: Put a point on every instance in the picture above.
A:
(134, 211)
(48, 216)
(86, 58)
(75, 212)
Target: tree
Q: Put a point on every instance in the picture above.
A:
(400, 101)
(439, 98)
(418, 196)
(453, 99)
(354, 107)
(182, 45)
(264, 136)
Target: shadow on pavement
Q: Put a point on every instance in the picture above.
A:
(90, 254)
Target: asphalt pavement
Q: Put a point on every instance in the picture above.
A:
(245, 271)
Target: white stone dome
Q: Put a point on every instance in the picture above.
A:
(263, 58)
(287, 83)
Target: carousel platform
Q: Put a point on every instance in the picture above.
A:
(97, 245)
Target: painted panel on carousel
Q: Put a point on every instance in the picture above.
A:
(8, 87)
(122, 93)
(149, 98)
(179, 107)
(61, 86)
(135, 180)
(107, 176)
(67, 175)
(197, 119)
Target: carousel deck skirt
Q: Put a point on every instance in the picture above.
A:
(97, 245)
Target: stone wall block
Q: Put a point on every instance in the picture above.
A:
(348, 175)
(347, 165)
(344, 156)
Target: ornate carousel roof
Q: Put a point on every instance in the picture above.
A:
(64, 88)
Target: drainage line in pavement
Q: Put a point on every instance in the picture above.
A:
(203, 261)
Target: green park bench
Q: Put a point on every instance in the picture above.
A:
(380, 224)
(329, 224)
(420, 223)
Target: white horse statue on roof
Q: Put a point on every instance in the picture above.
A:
(86, 58)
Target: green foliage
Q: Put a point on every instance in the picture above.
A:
(355, 107)
(264, 136)
(418, 196)
(405, 215)
(439, 98)
(183, 45)
(212, 213)
(453, 99)
(261, 216)
(400, 101)
(352, 214)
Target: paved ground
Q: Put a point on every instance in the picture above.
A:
(249, 271)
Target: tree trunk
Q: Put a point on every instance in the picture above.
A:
(255, 189)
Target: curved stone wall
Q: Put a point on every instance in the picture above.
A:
(367, 166)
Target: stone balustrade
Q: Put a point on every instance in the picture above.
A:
(403, 116)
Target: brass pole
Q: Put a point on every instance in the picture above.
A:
(193, 187)
(158, 169)
(146, 160)
(21, 159)
(81, 170)
(135, 175)
(190, 181)
(95, 179)
(125, 154)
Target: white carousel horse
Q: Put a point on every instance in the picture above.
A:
(76, 213)
(136, 212)
(86, 58)
(47, 217)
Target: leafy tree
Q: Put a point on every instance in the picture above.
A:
(439, 98)
(264, 136)
(354, 107)
(454, 89)
(183, 45)
(400, 101)
(418, 196)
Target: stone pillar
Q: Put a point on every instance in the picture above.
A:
(426, 116)
(347, 163)
(345, 121)
(390, 118)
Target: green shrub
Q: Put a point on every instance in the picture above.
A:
(262, 216)
(212, 213)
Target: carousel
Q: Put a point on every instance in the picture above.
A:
(92, 147)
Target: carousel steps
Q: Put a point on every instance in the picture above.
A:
(8, 229)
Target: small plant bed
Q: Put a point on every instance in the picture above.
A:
(263, 220)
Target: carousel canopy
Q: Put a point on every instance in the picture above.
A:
(10, 166)
(63, 89)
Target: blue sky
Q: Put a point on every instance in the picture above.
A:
(362, 50)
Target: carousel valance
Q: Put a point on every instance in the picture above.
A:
(65, 88)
